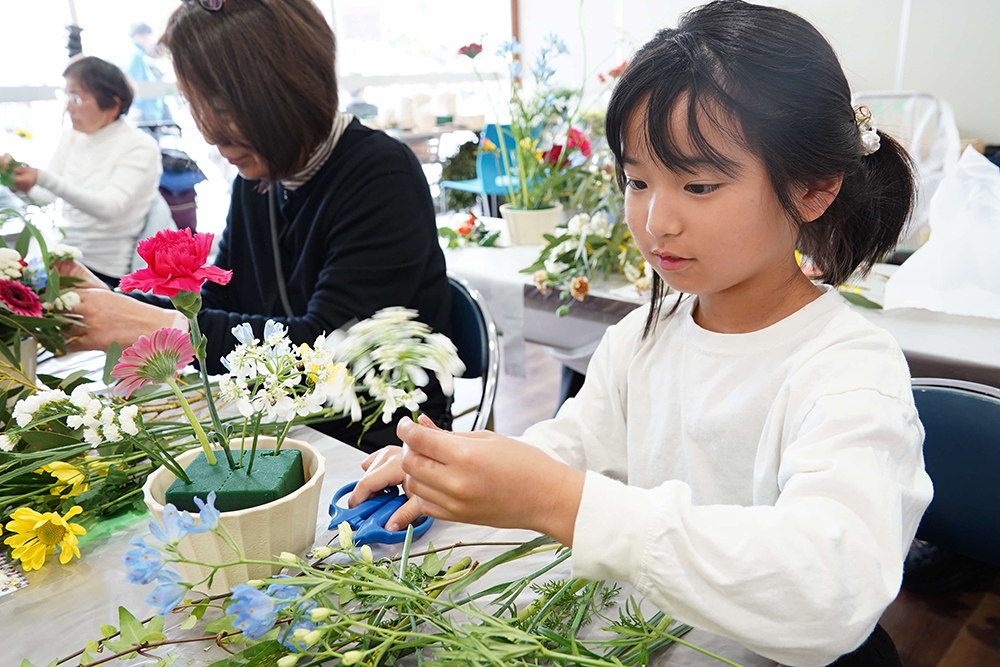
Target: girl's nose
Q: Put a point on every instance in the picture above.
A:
(662, 218)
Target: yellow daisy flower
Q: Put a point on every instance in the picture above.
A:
(67, 473)
(38, 535)
(24, 134)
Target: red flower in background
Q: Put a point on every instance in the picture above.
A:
(468, 225)
(471, 50)
(552, 155)
(176, 262)
(19, 298)
(617, 72)
(578, 139)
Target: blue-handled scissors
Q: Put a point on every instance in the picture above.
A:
(368, 519)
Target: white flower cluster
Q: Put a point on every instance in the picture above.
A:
(584, 224)
(62, 253)
(281, 381)
(68, 301)
(27, 409)
(10, 263)
(101, 423)
(388, 352)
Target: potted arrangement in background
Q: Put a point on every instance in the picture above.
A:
(540, 151)
(267, 488)
(35, 304)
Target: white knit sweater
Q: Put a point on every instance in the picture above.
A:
(762, 486)
(106, 182)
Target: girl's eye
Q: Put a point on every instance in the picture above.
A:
(634, 184)
(701, 188)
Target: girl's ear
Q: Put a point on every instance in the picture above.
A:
(816, 196)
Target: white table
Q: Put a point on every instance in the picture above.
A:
(65, 605)
(935, 344)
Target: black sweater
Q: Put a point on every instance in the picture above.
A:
(360, 235)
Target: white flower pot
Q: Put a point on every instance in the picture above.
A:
(29, 364)
(287, 524)
(527, 227)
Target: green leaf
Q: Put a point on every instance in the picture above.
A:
(221, 625)
(859, 300)
(108, 631)
(68, 382)
(93, 646)
(47, 439)
(114, 355)
(132, 630)
(189, 622)
(166, 662)
(86, 659)
(26, 663)
(265, 654)
(199, 609)
(516, 552)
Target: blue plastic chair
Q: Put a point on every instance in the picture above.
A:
(475, 337)
(491, 175)
(962, 455)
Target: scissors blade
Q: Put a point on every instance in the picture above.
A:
(354, 516)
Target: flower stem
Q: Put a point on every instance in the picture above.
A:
(195, 424)
(199, 350)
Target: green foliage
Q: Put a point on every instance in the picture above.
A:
(460, 167)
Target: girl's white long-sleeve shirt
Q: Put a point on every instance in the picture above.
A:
(107, 182)
(764, 486)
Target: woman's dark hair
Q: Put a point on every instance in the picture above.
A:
(774, 75)
(263, 67)
(104, 81)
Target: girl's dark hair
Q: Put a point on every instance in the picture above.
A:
(263, 67)
(104, 81)
(775, 75)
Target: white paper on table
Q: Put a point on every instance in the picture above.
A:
(958, 270)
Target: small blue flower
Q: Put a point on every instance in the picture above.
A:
(168, 594)
(145, 561)
(510, 47)
(255, 612)
(173, 529)
(555, 43)
(207, 513)
(515, 69)
(244, 333)
(286, 636)
(36, 274)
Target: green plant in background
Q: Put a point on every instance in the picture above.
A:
(7, 174)
(472, 231)
(460, 167)
(359, 611)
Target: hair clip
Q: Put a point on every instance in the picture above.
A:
(869, 134)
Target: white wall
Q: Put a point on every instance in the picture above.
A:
(953, 48)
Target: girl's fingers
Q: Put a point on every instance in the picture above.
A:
(424, 468)
(424, 420)
(429, 442)
(432, 502)
(404, 516)
(376, 479)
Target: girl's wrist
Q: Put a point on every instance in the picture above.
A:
(556, 512)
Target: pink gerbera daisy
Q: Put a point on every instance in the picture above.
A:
(19, 298)
(153, 359)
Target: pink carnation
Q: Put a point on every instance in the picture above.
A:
(153, 359)
(176, 263)
(19, 298)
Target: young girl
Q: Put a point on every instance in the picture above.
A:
(750, 457)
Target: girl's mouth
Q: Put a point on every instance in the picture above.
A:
(673, 262)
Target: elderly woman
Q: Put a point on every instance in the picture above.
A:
(329, 221)
(105, 173)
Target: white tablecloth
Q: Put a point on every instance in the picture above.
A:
(65, 605)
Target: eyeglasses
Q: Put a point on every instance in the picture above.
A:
(68, 98)
(209, 5)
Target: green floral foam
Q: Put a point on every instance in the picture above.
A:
(273, 477)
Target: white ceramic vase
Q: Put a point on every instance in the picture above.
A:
(527, 227)
(287, 524)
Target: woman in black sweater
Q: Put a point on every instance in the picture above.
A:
(352, 213)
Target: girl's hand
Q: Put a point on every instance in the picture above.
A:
(110, 317)
(382, 470)
(489, 479)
